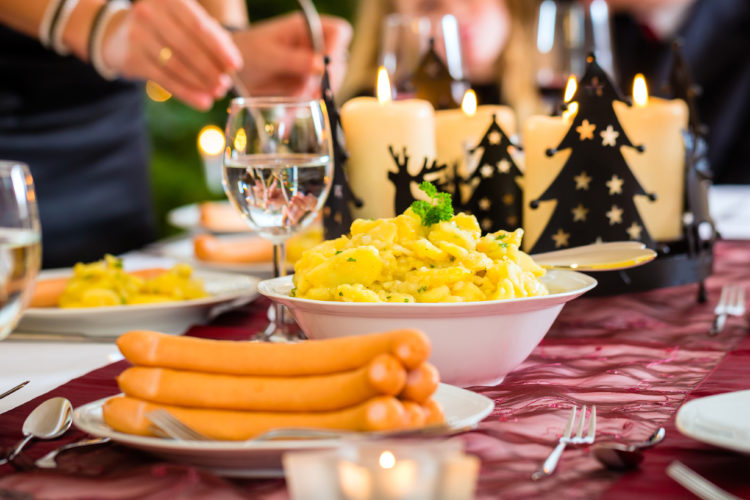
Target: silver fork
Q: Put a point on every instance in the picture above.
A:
(731, 303)
(167, 424)
(549, 465)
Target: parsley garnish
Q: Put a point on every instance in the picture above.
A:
(406, 300)
(338, 252)
(351, 259)
(421, 289)
(341, 294)
(439, 208)
(500, 237)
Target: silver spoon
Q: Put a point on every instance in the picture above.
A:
(625, 456)
(49, 420)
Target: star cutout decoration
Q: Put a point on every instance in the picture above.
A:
(582, 181)
(609, 136)
(595, 87)
(485, 204)
(579, 213)
(561, 238)
(512, 220)
(508, 199)
(503, 166)
(586, 130)
(635, 231)
(495, 137)
(486, 224)
(615, 185)
(614, 215)
(487, 171)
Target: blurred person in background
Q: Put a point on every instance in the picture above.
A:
(495, 36)
(715, 38)
(71, 101)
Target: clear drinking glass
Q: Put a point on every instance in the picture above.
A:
(405, 39)
(20, 242)
(567, 31)
(277, 171)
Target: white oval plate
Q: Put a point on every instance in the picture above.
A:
(226, 291)
(721, 420)
(262, 458)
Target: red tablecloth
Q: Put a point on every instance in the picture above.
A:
(636, 356)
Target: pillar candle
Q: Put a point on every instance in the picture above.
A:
(372, 125)
(541, 133)
(457, 130)
(657, 124)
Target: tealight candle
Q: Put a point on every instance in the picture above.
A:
(373, 125)
(457, 130)
(658, 125)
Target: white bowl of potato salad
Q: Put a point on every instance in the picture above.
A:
(483, 302)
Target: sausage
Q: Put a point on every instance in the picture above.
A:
(311, 357)
(382, 413)
(416, 415)
(421, 383)
(235, 251)
(434, 412)
(384, 375)
(221, 217)
(47, 292)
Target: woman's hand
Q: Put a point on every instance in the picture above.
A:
(279, 59)
(176, 44)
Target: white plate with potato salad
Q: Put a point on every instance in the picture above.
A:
(462, 409)
(102, 300)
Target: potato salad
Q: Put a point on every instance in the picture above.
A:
(418, 257)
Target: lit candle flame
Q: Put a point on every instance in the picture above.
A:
(240, 140)
(387, 460)
(211, 140)
(640, 91)
(570, 88)
(469, 103)
(384, 86)
(569, 113)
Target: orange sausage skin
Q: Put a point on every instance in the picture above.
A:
(384, 375)
(382, 413)
(312, 357)
(209, 248)
(421, 383)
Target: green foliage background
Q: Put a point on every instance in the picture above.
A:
(177, 169)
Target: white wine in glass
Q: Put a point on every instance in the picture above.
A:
(277, 171)
(20, 242)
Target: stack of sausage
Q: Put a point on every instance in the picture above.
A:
(236, 390)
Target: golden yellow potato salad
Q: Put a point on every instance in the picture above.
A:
(105, 283)
(403, 260)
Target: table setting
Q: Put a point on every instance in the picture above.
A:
(407, 297)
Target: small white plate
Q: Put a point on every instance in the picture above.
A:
(226, 291)
(262, 458)
(722, 420)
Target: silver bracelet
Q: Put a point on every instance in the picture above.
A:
(97, 35)
(52, 11)
(58, 27)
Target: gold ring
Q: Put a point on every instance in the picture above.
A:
(165, 54)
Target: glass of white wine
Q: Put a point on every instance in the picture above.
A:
(20, 242)
(277, 172)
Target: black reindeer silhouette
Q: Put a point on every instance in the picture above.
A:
(402, 179)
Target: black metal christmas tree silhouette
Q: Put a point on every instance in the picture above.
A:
(497, 199)
(432, 81)
(337, 216)
(595, 189)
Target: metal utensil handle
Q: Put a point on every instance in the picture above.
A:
(315, 27)
(549, 465)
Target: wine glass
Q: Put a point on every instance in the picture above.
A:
(405, 39)
(20, 242)
(567, 31)
(277, 172)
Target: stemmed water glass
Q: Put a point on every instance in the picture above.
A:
(277, 172)
(20, 242)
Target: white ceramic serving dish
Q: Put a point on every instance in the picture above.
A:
(263, 458)
(225, 291)
(721, 420)
(473, 343)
